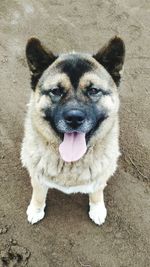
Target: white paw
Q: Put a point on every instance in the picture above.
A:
(35, 214)
(98, 212)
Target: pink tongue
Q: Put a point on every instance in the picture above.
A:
(73, 146)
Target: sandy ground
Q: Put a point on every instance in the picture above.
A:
(67, 237)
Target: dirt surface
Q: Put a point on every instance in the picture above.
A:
(66, 237)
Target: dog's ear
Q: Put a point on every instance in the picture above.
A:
(38, 58)
(111, 56)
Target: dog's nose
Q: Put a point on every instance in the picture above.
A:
(74, 118)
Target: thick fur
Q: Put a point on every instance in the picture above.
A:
(40, 154)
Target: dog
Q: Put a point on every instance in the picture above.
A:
(71, 129)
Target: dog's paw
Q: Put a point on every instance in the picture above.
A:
(98, 212)
(34, 214)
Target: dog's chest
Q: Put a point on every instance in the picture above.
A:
(44, 162)
(49, 167)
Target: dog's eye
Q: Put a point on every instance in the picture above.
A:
(57, 91)
(93, 91)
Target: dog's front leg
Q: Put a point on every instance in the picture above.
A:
(97, 210)
(35, 210)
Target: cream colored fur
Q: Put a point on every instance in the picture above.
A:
(90, 174)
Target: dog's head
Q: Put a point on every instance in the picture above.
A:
(75, 93)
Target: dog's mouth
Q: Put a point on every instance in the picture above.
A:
(74, 141)
(73, 146)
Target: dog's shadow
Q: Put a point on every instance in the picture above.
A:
(62, 206)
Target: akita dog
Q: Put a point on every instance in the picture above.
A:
(71, 129)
